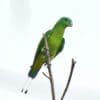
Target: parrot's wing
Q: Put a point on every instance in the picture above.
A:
(41, 43)
(61, 46)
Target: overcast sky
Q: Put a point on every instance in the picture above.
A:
(22, 23)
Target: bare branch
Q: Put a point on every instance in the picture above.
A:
(46, 75)
(49, 67)
(69, 78)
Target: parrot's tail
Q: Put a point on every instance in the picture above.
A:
(35, 69)
(27, 85)
(32, 74)
(29, 81)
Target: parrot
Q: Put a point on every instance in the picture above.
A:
(56, 41)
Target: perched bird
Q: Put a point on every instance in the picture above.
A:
(55, 42)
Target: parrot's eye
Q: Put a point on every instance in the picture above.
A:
(67, 22)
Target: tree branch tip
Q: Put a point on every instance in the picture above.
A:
(73, 61)
(46, 75)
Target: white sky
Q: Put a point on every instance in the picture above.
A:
(22, 23)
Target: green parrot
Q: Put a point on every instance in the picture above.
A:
(56, 43)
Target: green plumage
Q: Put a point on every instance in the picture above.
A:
(55, 42)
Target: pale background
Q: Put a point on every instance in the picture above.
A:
(22, 23)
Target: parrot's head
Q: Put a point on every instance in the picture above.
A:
(65, 22)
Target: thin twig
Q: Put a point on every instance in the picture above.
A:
(49, 67)
(46, 75)
(69, 78)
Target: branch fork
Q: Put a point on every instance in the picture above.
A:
(50, 77)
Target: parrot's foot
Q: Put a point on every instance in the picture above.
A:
(44, 51)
